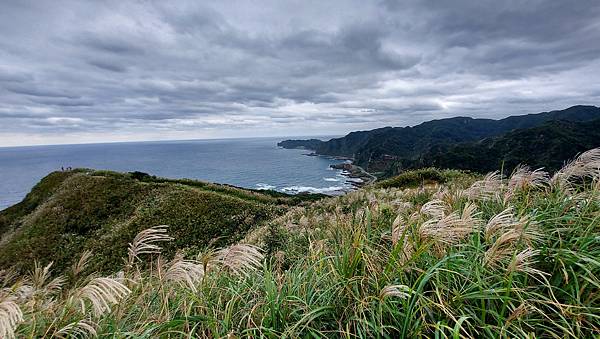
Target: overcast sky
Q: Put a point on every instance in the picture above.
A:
(93, 71)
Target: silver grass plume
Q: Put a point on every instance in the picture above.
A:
(39, 286)
(398, 227)
(145, 242)
(524, 261)
(487, 189)
(502, 248)
(401, 205)
(101, 293)
(399, 232)
(78, 329)
(448, 229)
(39, 278)
(80, 265)
(499, 223)
(187, 273)
(449, 197)
(435, 209)
(585, 165)
(10, 317)
(524, 178)
(451, 228)
(509, 232)
(398, 291)
(8, 276)
(506, 221)
(239, 258)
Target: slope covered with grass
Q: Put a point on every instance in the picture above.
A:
(70, 212)
(473, 257)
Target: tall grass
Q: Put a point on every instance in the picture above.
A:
(508, 257)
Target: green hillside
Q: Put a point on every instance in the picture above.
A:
(71, 212)
(547, 146)
(430, 253)
(382, 149)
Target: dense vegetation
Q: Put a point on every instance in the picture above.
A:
(391, 148)
(429, 254)
(70, 212)
(301, 144)
(421, 177)
(547, 146)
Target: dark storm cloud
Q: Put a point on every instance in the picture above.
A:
(107, 66)
(31, 89)
(62, 102)
(75, 71)
(6, 75)
(115, 45)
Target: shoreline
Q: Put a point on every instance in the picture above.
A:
(352, 171)
(349, 170)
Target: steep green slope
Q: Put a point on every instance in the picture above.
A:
(300, 144)
(42, 191)
(457, 257)
(375, 150)
(548, 146)
(69, 212)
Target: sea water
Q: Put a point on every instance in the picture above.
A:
(251, 163)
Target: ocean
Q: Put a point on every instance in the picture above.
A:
(255, 163)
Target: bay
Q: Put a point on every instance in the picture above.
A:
(255, 163)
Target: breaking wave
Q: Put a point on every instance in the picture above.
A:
(332, 190)
(262, 186)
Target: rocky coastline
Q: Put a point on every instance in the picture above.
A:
(358, 177)
(355, 175)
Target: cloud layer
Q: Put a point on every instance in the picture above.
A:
(83, 71)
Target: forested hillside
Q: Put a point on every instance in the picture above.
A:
(548, 146)
(390, 148)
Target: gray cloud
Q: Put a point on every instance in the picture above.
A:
(108, 66)
(32, 89)
(119, 70)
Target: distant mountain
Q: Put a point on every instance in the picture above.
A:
(383, 148)
(547, 146)
(300, 144)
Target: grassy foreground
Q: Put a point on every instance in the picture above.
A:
(508, 257)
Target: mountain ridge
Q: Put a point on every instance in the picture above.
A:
(546, 146)
(378, 149)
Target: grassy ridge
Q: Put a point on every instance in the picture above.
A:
(70, 212)
(433, 253)
(42, 191)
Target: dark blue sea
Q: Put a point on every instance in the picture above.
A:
(252, 163)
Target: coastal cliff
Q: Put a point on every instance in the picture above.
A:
(390, 150)
(310, 144)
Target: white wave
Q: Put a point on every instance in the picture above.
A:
(332, 179)
(262, 186)
(310, 189)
